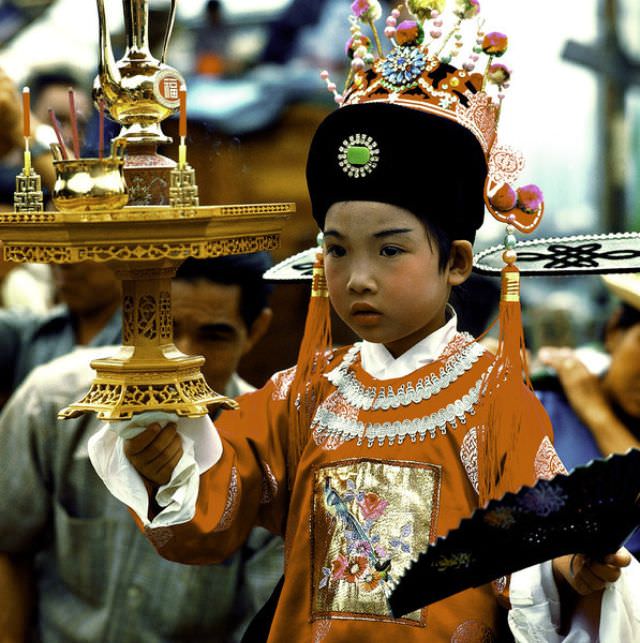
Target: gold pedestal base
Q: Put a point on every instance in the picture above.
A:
(123, 387)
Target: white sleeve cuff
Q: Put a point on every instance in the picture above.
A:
(535, 608)
(202, 449)
(620, 613)
(535, 605)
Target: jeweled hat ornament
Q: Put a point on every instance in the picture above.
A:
(447, 143)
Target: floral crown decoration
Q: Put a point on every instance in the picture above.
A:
(428, 69)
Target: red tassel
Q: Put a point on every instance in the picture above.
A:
(505, 395)
(313, 358)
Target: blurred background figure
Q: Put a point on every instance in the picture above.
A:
(88, 314)
(212, 42)
(73, 566)
(593, 398)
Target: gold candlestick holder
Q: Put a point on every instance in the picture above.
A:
(183, 190)
(27, 197)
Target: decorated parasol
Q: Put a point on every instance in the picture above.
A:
(592, 510)
(594, 254)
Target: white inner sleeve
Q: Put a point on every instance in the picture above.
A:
(535, 609)
(202, 448)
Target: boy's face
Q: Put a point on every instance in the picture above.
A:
(382, 273)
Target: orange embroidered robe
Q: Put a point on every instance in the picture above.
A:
(390, 465)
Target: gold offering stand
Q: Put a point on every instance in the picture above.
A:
(145, 245)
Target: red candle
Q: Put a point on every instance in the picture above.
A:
(26, 112)
(183, 111)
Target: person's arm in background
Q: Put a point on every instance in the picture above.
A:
(587, 397)
(25, 506)
(16, 598)
(11, 132)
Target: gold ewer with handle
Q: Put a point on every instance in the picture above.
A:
(139, 92)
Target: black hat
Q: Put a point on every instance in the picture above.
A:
(427, 164)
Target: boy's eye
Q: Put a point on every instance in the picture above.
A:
(335, 251)
(390, 251)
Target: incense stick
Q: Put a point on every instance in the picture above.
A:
(56, 128)
(74, 123)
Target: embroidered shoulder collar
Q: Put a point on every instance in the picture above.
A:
(457, 358)
(339, 418)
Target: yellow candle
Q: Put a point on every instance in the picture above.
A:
(182, 153)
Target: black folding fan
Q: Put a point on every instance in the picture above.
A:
(593, 510)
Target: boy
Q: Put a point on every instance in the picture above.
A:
(376, 454)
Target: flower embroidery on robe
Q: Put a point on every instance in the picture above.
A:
(365, 514)
(282, 381)
(547, 463)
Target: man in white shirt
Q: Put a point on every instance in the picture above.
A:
(73, 566)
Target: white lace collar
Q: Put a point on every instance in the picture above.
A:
(381, 364)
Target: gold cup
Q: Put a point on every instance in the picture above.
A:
(88, 184)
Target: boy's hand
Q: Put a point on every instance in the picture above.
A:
(155, 452)
(585, 575)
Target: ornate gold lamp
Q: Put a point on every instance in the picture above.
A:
(144, 243)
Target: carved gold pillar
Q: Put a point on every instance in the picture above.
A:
(149, 371)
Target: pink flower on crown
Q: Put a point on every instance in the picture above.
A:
(367, 10)
(422, 9)
(498, 74)
(530, 198)
(468, 9)
(409, 32)
(495, 44)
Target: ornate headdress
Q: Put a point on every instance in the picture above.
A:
(428, 68)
